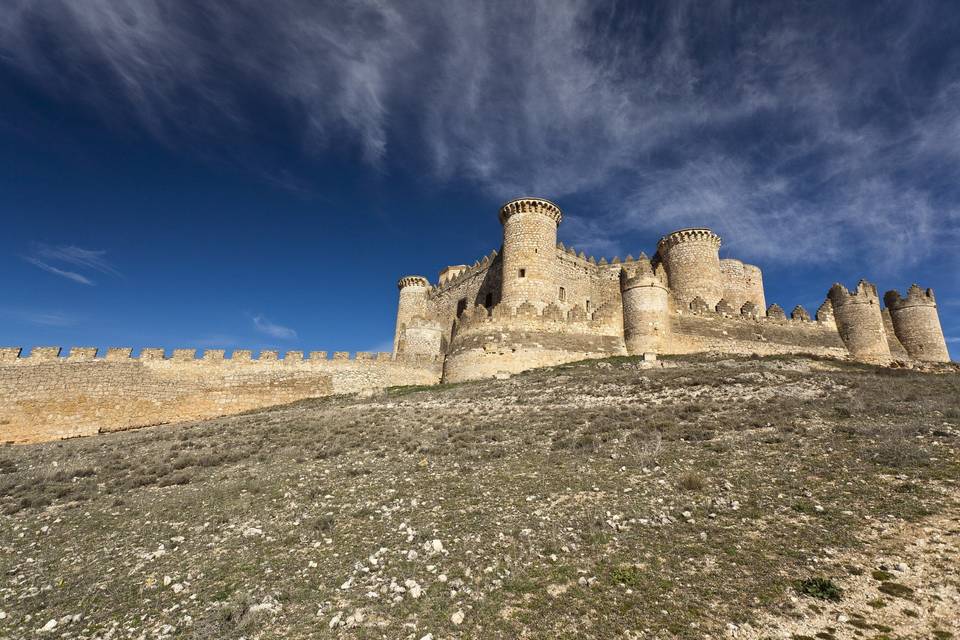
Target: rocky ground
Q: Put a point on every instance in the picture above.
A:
(709, 497)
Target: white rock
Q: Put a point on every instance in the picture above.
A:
(457, 618)
(3, 615)
(50, 626)
(411, 555)
(167, 580)
(346, 585)
(335, 620)
(252, 532)
(429, 636)
(177, 587)
(442, 577)
(437, 546)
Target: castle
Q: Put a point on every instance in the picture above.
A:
(534, 303)
(538, 303)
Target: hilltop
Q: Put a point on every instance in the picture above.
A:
(695, 497)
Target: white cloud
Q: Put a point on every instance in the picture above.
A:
(789, 127)
(47, 257)
(264, 326)
(69, 275)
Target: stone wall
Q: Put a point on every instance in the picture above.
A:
(510, 341)
(692, 333)
(47, 397)
(742, 283)
(916, 323)
(692, 259)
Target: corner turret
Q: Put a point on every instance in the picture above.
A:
(412, 315)
(859, 322)
(917, 324)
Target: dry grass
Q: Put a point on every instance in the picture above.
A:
(583, 500)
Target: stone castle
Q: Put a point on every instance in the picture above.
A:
(534, 303)
(538, 303)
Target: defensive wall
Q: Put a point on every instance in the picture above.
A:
(44, 396)
(532, 303)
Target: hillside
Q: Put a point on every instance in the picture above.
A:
(700, 497)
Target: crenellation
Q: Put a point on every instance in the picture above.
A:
(535, 302)
(8, 354)
(41, 354)
(119, 353)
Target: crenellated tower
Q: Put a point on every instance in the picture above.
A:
(415, 333)
(692, 260)
(529, 252)
(646, 308)
(917, 324)
(859, 322)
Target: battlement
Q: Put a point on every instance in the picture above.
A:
(865, 293)
(693, 234)
(530, 205)
(412, 281)
(47, 355)
(461, 273)
(642, 273)
(916, 297)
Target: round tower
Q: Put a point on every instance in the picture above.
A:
(412, 304)
(859, 322)
(646, 311)
(917, 324)
(529, 251)
(692, 259)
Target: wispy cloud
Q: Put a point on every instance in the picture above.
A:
(786, 125)
(953, 340)
(41, 318)
(48, 257)
(266, 327)
(63, 273)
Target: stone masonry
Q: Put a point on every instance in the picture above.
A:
(533, 302)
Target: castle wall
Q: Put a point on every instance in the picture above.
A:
(46, 397)
(692, 333)
(472, 285)
(504, 342)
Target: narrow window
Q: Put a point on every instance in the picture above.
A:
(523, 273)
(588, 305)
(488, 301)
(461, 306)
(563, 294)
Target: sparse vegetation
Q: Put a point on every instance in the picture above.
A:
(819, 587)
(606, 500)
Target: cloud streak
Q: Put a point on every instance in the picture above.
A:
(54, 259)
(266, 327)
(795, 132)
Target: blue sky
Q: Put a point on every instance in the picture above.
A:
(259, 174)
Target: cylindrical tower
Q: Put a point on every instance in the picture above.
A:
(753, 285)
(529, 251)
(646, 309)
(412, 304)
(917, 324)
(859, 322)
(692, 259)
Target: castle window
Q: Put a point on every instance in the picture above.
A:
(461, 306)
(588, 305)
(522, 273)
(563, 294)
(488, 301)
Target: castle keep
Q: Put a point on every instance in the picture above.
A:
(534, 303)
(538, 303)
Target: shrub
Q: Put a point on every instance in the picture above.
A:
(691, 482)
(819, 587)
